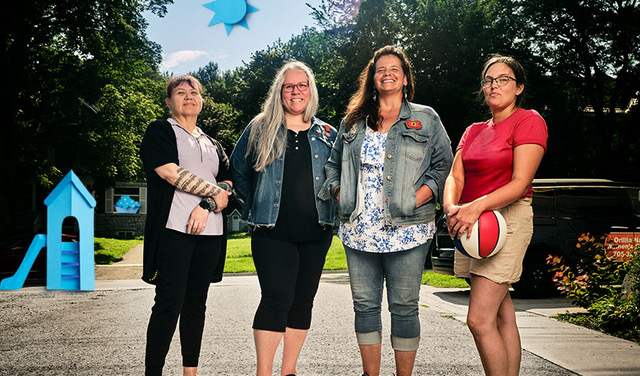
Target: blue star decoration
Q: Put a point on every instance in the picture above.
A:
(230, 12)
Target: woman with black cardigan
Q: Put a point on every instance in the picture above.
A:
(184, 247)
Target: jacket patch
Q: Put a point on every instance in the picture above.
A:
(413, 124)
(324, 131)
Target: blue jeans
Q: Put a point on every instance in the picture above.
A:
(403, 273)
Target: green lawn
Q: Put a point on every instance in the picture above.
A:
(434, 279)
(107, 250)
(239, 258)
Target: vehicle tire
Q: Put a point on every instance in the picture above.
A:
(536, 279)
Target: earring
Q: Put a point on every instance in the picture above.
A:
(404, 90)
(375, 95)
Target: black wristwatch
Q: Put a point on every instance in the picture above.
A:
(209, 204)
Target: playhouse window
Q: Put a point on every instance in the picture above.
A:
(136, 191)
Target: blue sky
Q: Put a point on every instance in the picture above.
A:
(188, 43)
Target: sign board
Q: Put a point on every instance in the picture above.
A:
(621, 245)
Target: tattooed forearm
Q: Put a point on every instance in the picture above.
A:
(198, 183)
(182, 173)
(203, 190)
(189, 182)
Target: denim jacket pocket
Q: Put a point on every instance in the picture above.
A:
(415, 147)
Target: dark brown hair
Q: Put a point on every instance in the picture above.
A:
(362, 104)
(516, 67)
(174, 81)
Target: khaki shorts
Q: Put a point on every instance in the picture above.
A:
(506, 265)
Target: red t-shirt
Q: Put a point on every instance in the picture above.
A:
(487, 151)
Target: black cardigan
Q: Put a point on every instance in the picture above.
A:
(159, 147)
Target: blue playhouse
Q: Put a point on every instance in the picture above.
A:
(70, 265)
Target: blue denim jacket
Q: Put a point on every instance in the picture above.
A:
(417, 152)
(261, 191)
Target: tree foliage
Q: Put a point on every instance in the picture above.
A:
(65, 64)
(82, 79)
(590, 53)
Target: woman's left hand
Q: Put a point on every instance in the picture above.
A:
(197, 220)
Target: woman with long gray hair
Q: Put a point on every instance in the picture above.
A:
(277, 168)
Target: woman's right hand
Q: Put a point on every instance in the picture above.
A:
(461, 218)
(197, 220)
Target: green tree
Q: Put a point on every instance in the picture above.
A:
(111, 152)
(447, 42)
(590, 51)
(62, 61)
(220, 121)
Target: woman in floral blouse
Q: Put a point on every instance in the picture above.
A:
(387, 171)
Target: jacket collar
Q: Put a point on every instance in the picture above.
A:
(405, 110)
(405, 113)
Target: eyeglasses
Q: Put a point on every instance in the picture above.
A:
(500, 81)
(302, 86)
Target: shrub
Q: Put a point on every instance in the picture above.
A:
(609, 290)
(592, 277)
(618, 315)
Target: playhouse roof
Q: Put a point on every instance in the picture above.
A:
(74, 181)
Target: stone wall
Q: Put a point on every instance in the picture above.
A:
(116, 225)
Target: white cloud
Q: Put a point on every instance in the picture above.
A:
(175, 59)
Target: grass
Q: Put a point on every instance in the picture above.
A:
(434, 279)
(239, 260)
(108, 251)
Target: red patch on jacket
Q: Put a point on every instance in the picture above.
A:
(413, 124)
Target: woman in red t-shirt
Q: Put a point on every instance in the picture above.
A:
(494, 165)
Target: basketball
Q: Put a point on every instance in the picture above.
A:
(488, 235)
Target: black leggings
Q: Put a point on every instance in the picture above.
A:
(185, 268)
(289, 274)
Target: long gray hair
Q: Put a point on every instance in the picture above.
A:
(268, 135)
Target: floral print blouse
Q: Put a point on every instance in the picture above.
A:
(367, 231)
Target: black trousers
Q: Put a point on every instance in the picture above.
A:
(289, 274)
(185, 267)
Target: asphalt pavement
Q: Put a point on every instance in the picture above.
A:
(102, 332)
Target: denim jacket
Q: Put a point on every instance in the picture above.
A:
(417, 152)
(261, 191)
